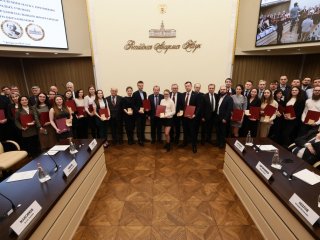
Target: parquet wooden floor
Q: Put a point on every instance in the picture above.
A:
(151, 194)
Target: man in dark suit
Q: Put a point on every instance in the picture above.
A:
(225, 106)
(155, 122)
(284, 87)
(306, 84)
(209, 115)
(228, 84)
(115, 122)
(247, 88)
(178, 101)
(189, 123)
(34, 98)
(199, 122)
(138, 97)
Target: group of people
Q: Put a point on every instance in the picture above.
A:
(56, 116)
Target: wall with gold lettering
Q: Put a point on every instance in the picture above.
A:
(161, 42)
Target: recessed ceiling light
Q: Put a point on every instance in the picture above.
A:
(298, 49)
(27, 53)
(55, 53)
(268, 50)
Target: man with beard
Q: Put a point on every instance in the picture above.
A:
(316, 83)
(306, 84)
(225, 106)
(312, 104)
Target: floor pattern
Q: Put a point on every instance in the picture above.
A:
(151, 194)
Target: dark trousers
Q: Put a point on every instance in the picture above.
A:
(92, 126)
(31, 145)
(222, 131)
(209, 123)
(141, 125)
(116, 129)
(189, 131)
(82, 128)
(102, 127)
(156, 129)
(129, 123)
(175, 130)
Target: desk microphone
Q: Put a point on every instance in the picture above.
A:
(256, 148)
(13, 206)
(55, 163)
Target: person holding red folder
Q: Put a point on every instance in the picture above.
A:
(292, 119)
(60, 117)
(239, 106)
(313, 105)
(71, 105)
(82, 117)
(88, 106)
(47, 135)
(155, 122)
(102, 112)
(266, 120)
(24, 120)
(167, 121)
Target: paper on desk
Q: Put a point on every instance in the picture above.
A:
(59, 148)
(267, 148)
(51, 152)
(22, 176)
(307, 176)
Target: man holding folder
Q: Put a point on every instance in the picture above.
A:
(155, 121)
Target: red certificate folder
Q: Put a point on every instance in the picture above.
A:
(254, 113)
(146, 105)
(237, 115)
(80, 111)
(104, 113)
(26, 119)
(281, 109)
(2, 115)
(269, 110)
(160, 109)
(189, 111)
(44, 118)
(290, 110)
(312, 117)
(71, 104)
(90, 108)
(62, 124)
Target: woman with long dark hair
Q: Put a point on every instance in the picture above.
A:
(88, 106)
(275, 129)
(239, 102)
(127, 105)
(82, 119)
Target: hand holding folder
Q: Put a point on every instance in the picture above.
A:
(189, 111)
(312, 117)
(104, 114)
(26, 120)
(237, 115)
(160, 110)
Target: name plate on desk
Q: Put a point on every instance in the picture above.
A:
(26, 217)
(239, 145)
(93, 144)
(304, 209)
(264, 170)
(70, 168)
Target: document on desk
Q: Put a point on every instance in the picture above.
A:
(22, 176)
(51, 152)
(307, 176)
(59, 148)
(267, 147)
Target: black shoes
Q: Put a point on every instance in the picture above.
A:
(194, 149)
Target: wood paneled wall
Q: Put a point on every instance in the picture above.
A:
(46, 72)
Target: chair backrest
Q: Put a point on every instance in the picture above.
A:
(1, 148)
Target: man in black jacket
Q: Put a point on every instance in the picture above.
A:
(225, 106)
(155, 122)
(138, 97)
(179, 102)
(115, 122)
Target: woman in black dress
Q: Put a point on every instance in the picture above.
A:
(275, 129)
(127, 106)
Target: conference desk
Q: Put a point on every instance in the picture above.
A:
(267, 201)
(64, 200)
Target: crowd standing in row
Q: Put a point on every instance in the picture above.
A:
(82, 113)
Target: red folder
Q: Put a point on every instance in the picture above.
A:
(25, 119)
(71, 104)
(104, 111)
(2, 115)
(312, 115)
(281, 109)
(254, 113)
(80, 111)
(290, 110)
(237, 115)
(146, 105)
(44, 118)
(189, 111)
(160, 109)
(62, 124)
(90, 108)
(269, 110)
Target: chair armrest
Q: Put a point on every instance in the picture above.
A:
(317, 165)
(10, 145)
(291, 146)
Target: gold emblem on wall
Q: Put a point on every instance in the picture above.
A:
(162, 32)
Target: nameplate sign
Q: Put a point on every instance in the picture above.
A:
(70, 168)
(26, 217)
(264, 170)
(92, 144)
(310, 215)
(239, 146)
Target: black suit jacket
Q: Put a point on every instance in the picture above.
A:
(115, 111)
(207, 109)
(137, 100)
(193, 102)
(226, 108)
(179, 102)
(152, 111)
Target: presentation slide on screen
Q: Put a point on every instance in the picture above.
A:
(32, 23)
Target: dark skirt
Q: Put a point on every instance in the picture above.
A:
(167, 122)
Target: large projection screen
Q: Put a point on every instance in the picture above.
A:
(288, 22)
(32, 23)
